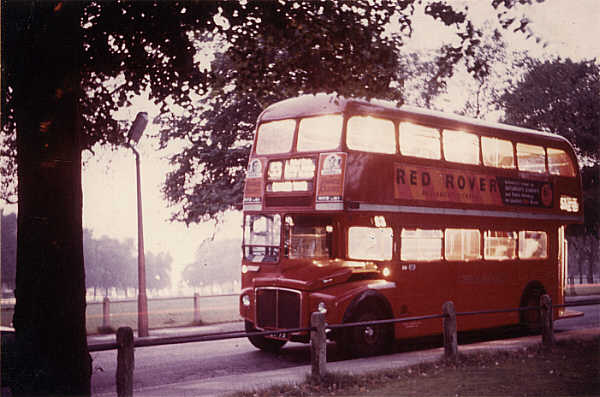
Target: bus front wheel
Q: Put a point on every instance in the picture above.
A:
(368, 340)
(262, 342)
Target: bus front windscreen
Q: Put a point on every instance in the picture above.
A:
(307, 237)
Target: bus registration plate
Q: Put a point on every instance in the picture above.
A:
(280, 336)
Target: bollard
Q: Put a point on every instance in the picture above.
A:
(318, 345)
(547, 323)
(197, 308)
(450, 338)
(106, 313)
(125, 362)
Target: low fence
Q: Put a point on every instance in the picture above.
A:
(125, 343)
(163, 312)
(111, 314)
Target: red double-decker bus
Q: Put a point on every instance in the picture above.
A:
(366, 211)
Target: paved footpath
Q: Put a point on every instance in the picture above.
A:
(224, 385)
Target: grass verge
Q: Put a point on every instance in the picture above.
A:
(571, 368)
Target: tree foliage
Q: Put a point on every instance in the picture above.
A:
(559, 96)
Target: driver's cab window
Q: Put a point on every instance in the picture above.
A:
(308, 237)
(262, 237)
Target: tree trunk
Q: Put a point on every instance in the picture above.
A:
(49, 317)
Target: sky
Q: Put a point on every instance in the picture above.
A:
(570, 28)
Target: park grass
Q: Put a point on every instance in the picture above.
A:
(571, 368)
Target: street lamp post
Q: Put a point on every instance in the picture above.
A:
(134, 134)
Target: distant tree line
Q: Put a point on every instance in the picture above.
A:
(215, 262)
(109, 263)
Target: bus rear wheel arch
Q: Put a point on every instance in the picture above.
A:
(530, 319)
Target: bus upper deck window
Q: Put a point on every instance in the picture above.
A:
(320, 133)
(371, 134)
(419, 141)
(275, 137)
(559, 163)
(497, 152)
(461, 147)
(531, 158)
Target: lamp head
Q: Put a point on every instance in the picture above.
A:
(138, 127)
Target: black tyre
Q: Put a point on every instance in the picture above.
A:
(263, 343)
(530, 319)
(368, 340)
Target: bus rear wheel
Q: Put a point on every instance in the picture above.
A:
(262, 342)
(530, 319)
(368, 340)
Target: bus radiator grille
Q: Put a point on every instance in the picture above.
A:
(277, 308)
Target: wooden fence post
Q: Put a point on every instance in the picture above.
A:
(318, 345)
(546, 319)
(197, 308)
(450, 338)
(125, 362)
(106, 313)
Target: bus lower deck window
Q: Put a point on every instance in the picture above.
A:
(500, 245)
(462, 244)
(370, 243)
(533, 245)
(421, 245)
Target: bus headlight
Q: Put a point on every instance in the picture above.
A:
(386, 271)
(246, 300)
(322, 308)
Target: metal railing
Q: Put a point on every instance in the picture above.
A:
(125, 342)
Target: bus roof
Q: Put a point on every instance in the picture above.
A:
(319, 104)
